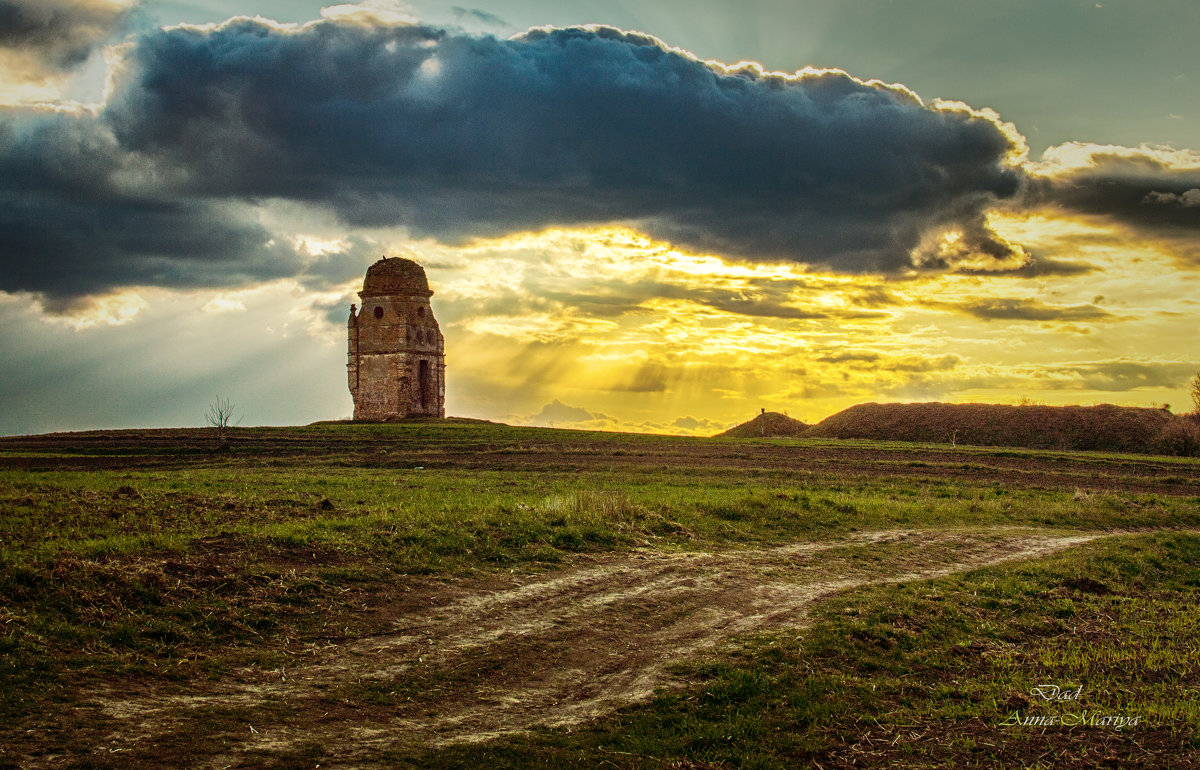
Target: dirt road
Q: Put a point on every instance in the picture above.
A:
(470, 660)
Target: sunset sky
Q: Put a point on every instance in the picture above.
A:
(659, 215)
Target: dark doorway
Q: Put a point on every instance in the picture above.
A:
(423, 384)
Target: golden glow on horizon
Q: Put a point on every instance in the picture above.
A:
(645, 337)
(636, 332)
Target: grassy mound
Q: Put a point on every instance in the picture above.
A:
(1104, 427)
(767, 424)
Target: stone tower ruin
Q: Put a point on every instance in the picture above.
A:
(397, 361)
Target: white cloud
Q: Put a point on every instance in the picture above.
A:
(372, 12)
(1187, 199)
(223, 304)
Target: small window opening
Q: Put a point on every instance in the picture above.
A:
(420, 312)
(378, 312)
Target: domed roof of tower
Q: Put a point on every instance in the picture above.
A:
(396, 275)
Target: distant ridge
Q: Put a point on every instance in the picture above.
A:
(1100, 428)
(766, 425)
(1104, 428)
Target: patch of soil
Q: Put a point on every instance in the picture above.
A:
(1087, 585)
(472, 660)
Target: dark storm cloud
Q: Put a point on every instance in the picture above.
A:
(758, 299)
(757, 304)
(767, 298)
(1118, 376)
(88, 247)
(1030, 310)
(458, 136)
(81, 215)
(851, 356)
(58, 34)
(1155, 192)
(1037, 267)
(69, 227)
(870, 360)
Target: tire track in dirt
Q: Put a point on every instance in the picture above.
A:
(554, 649)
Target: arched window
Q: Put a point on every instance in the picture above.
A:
(378, 312)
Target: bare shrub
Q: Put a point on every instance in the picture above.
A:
(220, 416)
(1180, 437)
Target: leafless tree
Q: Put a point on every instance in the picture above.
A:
(1196, 394)
(220, 416)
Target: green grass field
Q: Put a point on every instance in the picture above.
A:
(935, 674)
(160, 561)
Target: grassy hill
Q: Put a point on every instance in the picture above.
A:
(1103, 427)
(767, 424)
(304, 596)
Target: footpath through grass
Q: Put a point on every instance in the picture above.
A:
(139, 556)
(1086, 659)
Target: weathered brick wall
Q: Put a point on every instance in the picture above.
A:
(397, 364)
